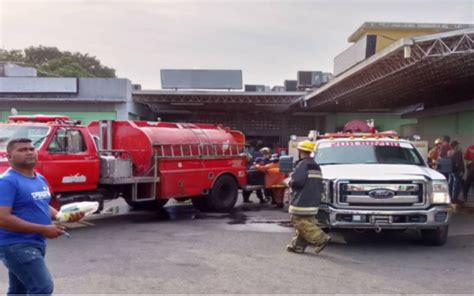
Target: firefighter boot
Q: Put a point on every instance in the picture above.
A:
(321, 247)
(297, 245)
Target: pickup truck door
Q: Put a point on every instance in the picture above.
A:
(71, 162)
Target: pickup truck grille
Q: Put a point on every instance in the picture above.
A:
(380, 193)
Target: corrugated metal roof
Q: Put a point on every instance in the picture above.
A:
(438, 70)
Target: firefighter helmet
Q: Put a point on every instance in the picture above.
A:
(306, 145)
(265, 150)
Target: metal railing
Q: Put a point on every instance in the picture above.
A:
(200, 150)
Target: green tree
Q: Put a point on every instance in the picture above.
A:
(50, 61)
(41, 55)
(14, 55)
(65, 67)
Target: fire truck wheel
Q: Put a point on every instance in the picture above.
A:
(153, 205)
(223, 194)
(201, 203)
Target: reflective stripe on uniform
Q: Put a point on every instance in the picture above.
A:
(314, 174)
(295, 209)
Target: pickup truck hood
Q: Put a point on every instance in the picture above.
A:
(379, 172)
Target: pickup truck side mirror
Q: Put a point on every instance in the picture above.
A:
(286, 164)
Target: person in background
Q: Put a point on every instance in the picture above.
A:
(267, 154)
(469, 157)
(254, 177)
(445, 146)
(274, 180)
(455, 177)
(254, 152)
(433, 154)
(444, 164)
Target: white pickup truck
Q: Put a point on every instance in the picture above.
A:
(381, 183)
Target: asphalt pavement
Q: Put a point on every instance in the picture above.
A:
(181, 250)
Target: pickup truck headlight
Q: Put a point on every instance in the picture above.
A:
(326, 192)
(440, 193)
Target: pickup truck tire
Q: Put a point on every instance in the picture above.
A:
(223, 195)
(435, 237)
(201, 203)
(153, 205)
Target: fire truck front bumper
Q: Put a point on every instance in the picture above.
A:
(431, 217)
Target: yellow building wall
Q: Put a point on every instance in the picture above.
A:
(385, 37)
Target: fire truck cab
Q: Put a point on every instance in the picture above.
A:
(67, 155)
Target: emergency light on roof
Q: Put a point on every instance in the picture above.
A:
(387, 134)
(38, 118)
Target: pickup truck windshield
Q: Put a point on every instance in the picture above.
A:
(364, 152)
(36, 133)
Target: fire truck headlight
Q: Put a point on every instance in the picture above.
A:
(440, 193)
(326, 192)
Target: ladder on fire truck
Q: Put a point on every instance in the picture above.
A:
(197, 149)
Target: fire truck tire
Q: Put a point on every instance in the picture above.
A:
(153, 205)
(223, 195)
(201, 203)
(435, 237)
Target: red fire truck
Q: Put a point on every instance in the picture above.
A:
(146, 163)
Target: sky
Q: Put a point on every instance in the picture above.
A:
(268, 40)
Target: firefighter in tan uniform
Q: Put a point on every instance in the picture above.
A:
(306, 186)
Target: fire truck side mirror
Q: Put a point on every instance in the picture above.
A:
(286, 164)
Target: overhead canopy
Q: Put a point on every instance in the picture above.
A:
(186, 101)
(424, 71)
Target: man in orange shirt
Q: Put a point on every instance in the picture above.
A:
(274, 179)
(433, 154)
(469, 157)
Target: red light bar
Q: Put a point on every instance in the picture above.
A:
(358, 135)
(38, 118)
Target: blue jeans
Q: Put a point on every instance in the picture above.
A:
(455, 185)
(27, 269)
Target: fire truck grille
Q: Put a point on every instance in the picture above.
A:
(383, 193)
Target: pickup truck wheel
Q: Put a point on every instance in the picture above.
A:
(435, 237)
(201, 203)
(223, 194)
(153, 205)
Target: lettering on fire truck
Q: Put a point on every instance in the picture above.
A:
(74, 179)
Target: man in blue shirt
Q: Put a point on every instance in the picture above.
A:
(26, 221)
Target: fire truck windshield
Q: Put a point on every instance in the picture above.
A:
(365, 152)
(8, 132)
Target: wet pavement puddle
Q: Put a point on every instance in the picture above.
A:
(238, 219)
